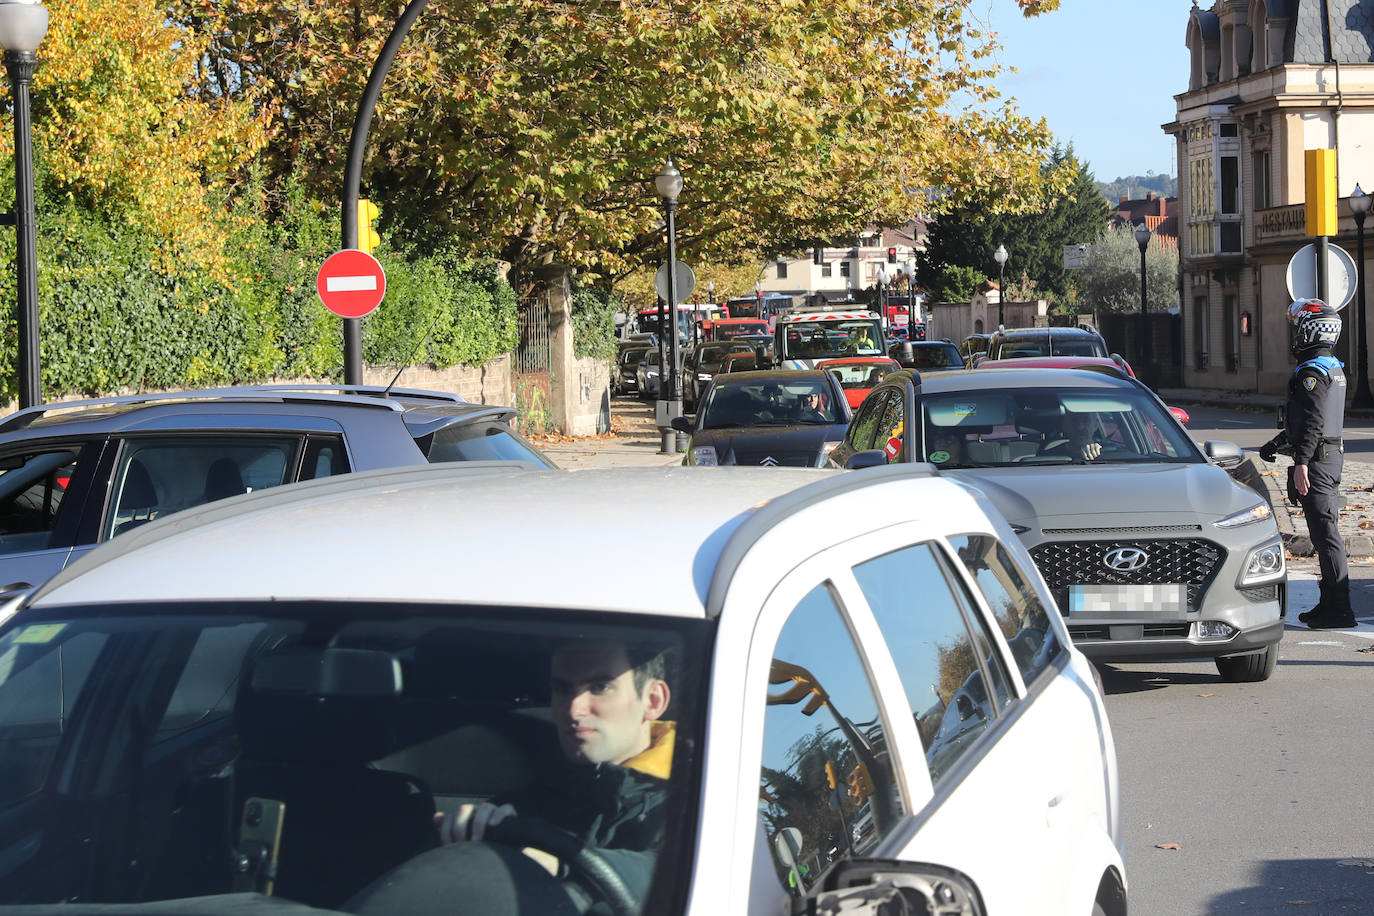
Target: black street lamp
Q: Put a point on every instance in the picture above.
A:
(1142, 238)
(1359, 206)
(881, 277)
(1000, 256)
(668, 182)
(23, 23)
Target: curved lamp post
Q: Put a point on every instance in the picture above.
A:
(1359, 207)
(23, 23)
(668, 183)
(1000, 256)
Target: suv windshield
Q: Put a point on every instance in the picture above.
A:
(828, 338)
(1020, 426)
(1016, 346)
(147, 750)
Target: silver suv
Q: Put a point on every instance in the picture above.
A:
(77, 473)
(1151, 549)
(1012, 343)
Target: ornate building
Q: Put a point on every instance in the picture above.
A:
(1268, 80)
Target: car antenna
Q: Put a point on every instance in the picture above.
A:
(386, 392)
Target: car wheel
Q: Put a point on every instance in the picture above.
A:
(1240, 669)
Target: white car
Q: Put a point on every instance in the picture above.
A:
(832, 690)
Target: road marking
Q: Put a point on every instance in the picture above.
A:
(350, 284)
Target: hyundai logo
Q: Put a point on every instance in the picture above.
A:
(1125, 559)
(769, 462)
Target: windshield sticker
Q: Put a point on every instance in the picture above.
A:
(36, 634)
(963, 411)
(939, 457)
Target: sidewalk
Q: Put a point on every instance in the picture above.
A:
(634, 441)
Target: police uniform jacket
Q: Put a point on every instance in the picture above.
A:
(1315, 411)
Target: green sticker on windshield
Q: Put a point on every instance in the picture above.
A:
(939, 457)
(37, 633)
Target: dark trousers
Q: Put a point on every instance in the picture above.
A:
(1321, 507)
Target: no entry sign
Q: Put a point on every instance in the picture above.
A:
(351, 283)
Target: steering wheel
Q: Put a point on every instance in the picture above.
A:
(586, 864)
(492, 876)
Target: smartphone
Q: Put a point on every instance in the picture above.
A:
(260, 841)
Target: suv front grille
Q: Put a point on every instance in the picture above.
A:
(1189, 561)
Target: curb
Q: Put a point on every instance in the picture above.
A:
(1254, 473)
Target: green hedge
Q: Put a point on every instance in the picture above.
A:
(111, 320)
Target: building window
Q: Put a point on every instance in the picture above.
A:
(1230, 238)
(1230, 130)
(1262, 198)
(1232, 322)
(782, 270)
(1230, 184)
(825, 270)
(844, 268)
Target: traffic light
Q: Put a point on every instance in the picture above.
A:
(818, 255)
(892, 256)
(368, 239)
(860, 784)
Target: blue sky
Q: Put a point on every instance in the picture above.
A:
(1090, 57)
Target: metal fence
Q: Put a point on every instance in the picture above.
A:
(532, 353)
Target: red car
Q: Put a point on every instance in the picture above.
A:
(1110, 365)
(859, 374)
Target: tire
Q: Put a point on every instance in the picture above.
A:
(1241, 669)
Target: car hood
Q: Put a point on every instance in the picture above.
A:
(1090, 496)
(790, 445)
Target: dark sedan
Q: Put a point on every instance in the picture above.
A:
(773, 418)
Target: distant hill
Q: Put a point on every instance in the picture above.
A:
(1135, 187)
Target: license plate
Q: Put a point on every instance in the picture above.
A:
(1170, 600)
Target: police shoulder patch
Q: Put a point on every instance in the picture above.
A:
(1309, 383)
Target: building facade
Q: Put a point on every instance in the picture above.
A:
(847, 272)
(1268, 80)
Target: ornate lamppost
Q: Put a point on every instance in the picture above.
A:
(23, 23)
(668, 183)
(1000, 256)
(1142, 238)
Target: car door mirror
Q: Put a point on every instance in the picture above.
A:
(966, 708)
(1223, 454)
(869, 458)
(874, 887)
(681, 424)
(787, 846)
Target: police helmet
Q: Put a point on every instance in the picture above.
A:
(1315, 324)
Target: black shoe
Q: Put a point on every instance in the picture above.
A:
(1330, 621)
(1317, 611)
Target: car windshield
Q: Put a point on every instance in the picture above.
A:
(828, 338)
(860, 375)
(1021, 426)
(632, 356)
(936, 356)
(771, 403)
(303, 749)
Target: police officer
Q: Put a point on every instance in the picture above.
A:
(1313, 418)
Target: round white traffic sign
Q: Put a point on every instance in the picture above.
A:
(1340, 275)
(351, 283)
(686, 282)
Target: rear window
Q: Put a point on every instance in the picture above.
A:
(489, 441)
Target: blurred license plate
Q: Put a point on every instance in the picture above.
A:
(1098, 599)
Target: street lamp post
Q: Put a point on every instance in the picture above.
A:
(881, 277)
(1359, 206)
(1142, 238)
(1000, 256)
(23, 23)
(711, 291)
(668, 182)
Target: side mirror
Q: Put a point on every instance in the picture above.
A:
(871, 887)
(966, 708)
(1223, 454)
(869, 458)
(681, 424)
(1180, 415)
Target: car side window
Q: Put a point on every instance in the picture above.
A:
(156, 477)
(1022, 617)
(32, 491)
(945, 659)
(324, 456)
(891, 427)
(827, 789)
(865, 423)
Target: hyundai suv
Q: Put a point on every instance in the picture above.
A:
(77, 473)
(1011, 343)
(1151, 549)
(829, 693)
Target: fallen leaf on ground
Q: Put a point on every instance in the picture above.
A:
(1206, 694)
(1168, 846)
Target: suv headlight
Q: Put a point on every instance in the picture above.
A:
(704, 456)
(1263, 564)
(1256, 513)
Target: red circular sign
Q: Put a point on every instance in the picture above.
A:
(351, 283)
